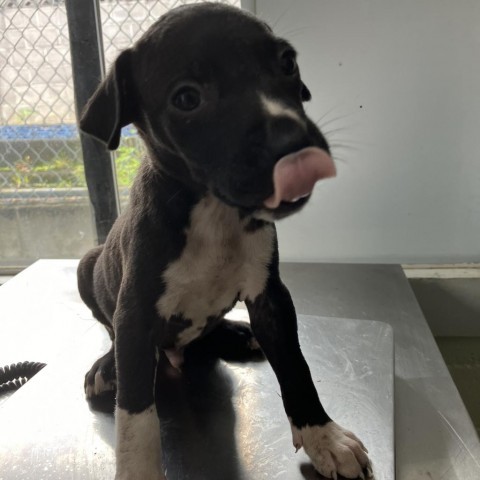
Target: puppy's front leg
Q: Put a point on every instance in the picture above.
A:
(138, 446)
(332, 449)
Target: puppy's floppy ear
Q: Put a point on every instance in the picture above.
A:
(305, 93)
(113, 104)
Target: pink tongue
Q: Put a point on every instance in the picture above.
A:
(295, 175)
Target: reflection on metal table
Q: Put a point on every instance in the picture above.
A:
(219, 421)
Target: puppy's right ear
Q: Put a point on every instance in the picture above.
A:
(113, 105)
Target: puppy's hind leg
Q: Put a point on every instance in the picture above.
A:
(230, 340)
(101, 382)
(86, 286)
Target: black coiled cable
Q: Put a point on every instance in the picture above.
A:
(13, 376)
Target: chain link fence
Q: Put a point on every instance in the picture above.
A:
(44, 207)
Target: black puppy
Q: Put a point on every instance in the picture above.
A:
(217, 99)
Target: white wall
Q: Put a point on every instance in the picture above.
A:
(398, 85)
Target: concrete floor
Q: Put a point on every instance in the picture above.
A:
(450, 300)
(462, 356)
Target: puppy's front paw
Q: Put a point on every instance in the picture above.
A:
(333, 450)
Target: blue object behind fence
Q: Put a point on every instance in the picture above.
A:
(47, 132)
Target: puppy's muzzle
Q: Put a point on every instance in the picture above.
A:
(295, 175)
(300, 160)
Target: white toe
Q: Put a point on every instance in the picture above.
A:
(333, 450)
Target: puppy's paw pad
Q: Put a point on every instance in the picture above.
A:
(98, 383)
(103, 384)
(100, 378)
(334, 451)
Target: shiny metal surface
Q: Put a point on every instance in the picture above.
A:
(41, 315)
(228, 422)
(220, 421)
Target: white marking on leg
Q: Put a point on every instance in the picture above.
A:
(90, 391)
(296, 436)
(138, 445)
(277, 109)
(332, 450)
(101, 385)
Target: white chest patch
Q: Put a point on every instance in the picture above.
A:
(221, 262)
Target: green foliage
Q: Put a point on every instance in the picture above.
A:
(65, 171)
(22, 115)
(127, 161)
(61, 171)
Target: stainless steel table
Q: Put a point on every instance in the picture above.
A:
(434, 436)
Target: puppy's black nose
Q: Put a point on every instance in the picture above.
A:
(286, 135)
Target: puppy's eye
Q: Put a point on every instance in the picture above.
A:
(288, 63)
(187, 99)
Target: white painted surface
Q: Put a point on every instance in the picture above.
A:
(398, 84)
